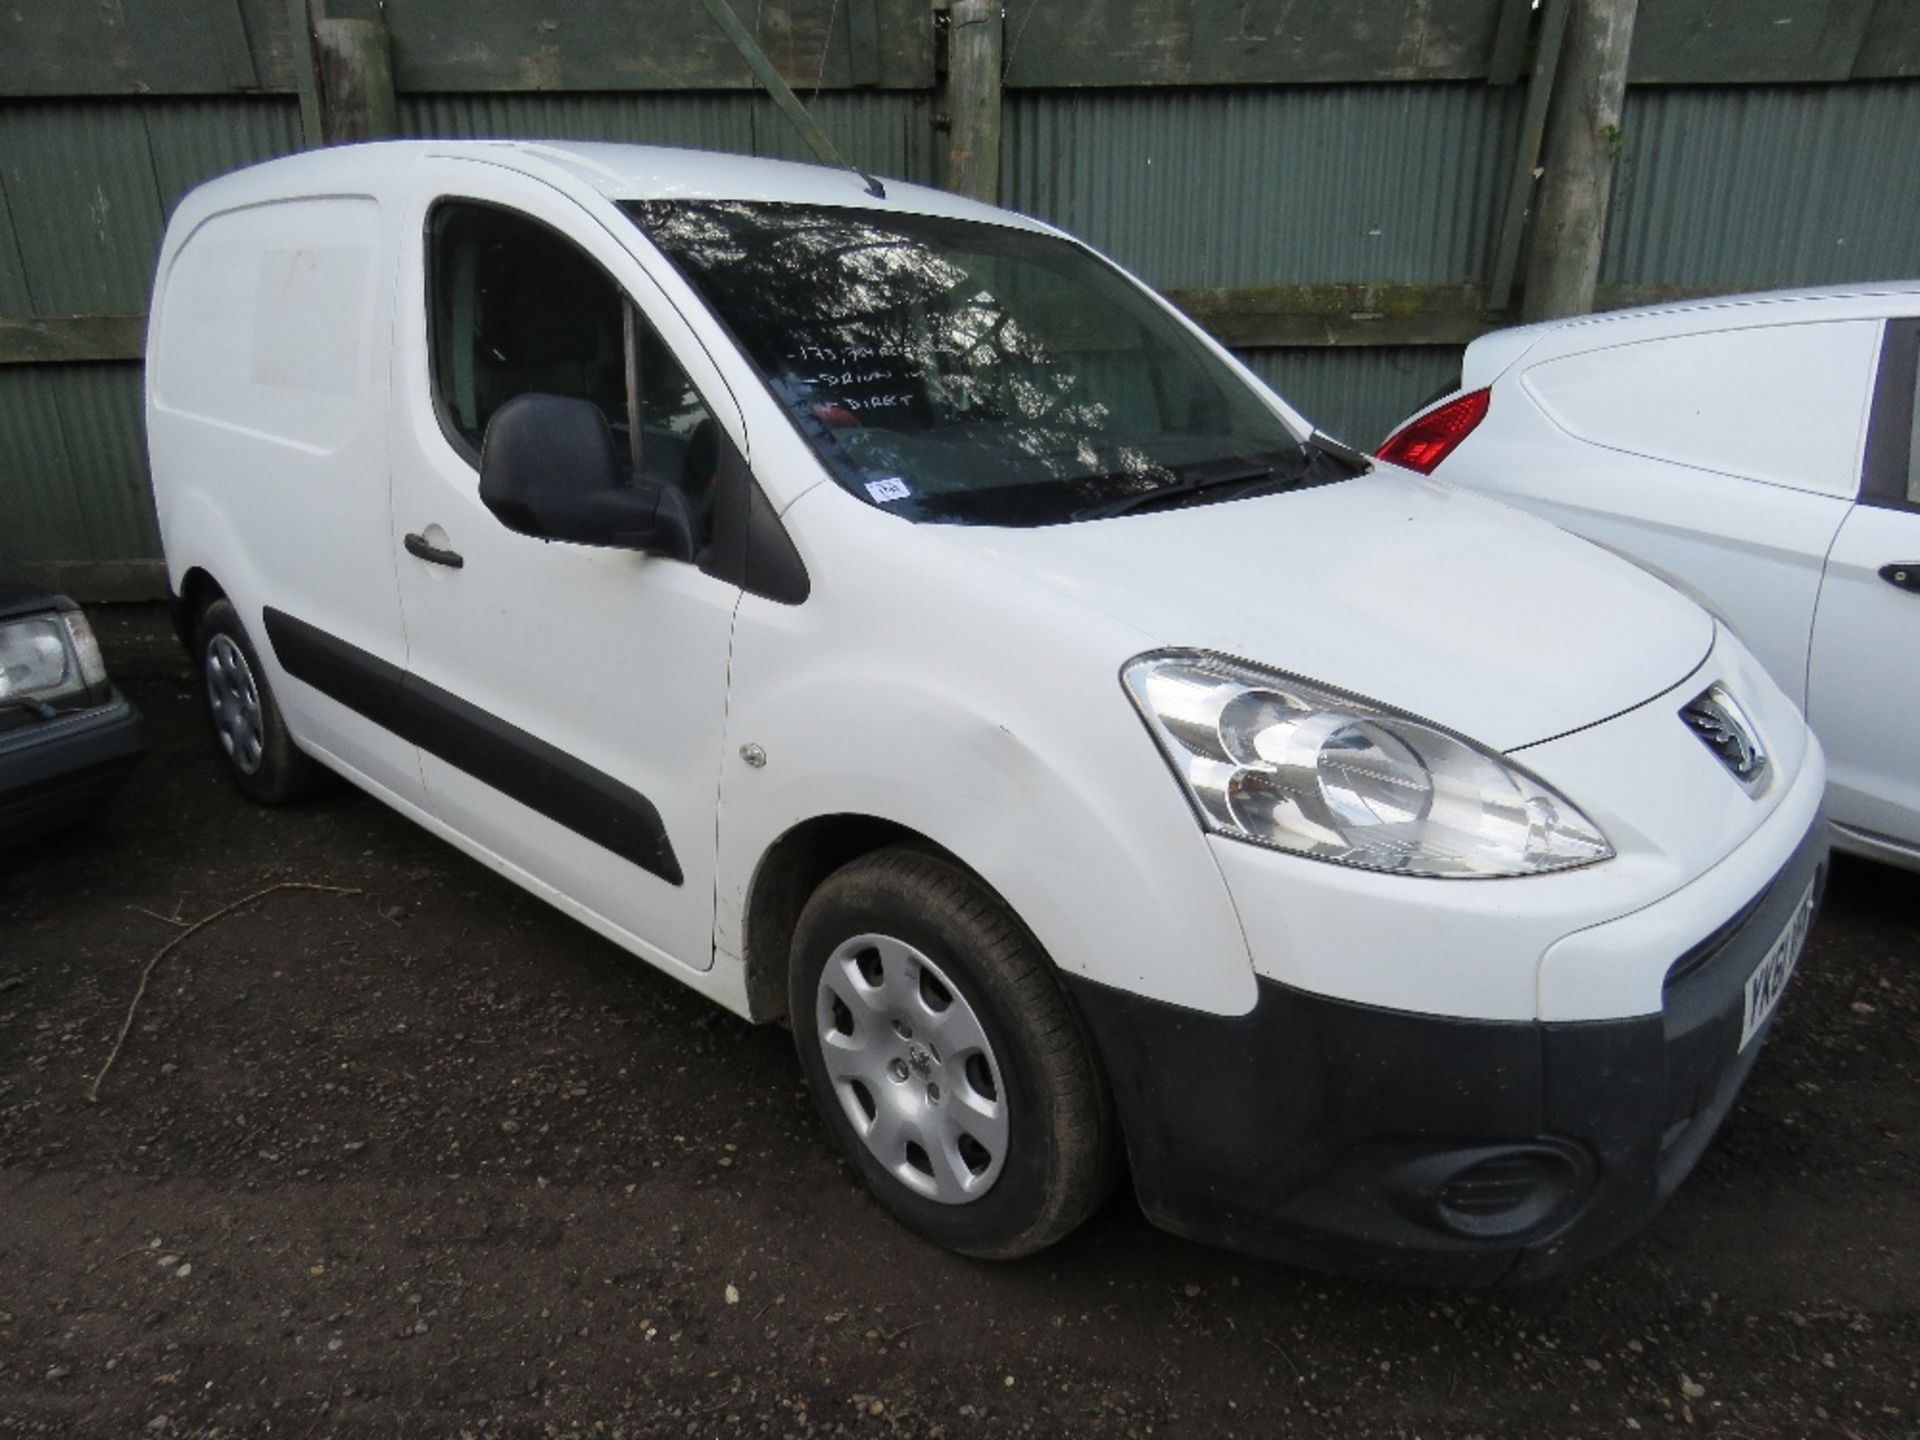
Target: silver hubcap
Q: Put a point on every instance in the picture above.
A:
(234, 700)
(912, 1068)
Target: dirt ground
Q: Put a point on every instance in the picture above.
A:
(432, 1159)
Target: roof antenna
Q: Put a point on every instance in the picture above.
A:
(788, 102)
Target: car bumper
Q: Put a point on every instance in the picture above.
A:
(60, 771)
(1432, 1149)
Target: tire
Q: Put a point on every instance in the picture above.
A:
(955, 969)
(248, 731)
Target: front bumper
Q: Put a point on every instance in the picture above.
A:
(63, 770)
(1436, 1150)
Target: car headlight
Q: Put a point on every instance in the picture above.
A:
(49, 657)
(1281, 762)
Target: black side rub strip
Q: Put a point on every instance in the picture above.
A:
(588, 802)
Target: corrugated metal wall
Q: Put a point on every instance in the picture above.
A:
(887, 131)
(1721, 188)
(1214, 188)
(1767, 186)
(1358, 392)
(1252, 187)
(73, 475)
(85, 187)
(1196, 187)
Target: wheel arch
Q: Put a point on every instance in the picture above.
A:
(791, 869)
(198, 589)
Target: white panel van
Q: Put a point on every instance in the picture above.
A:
(881, 613)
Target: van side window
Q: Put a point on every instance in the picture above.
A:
(517, 309)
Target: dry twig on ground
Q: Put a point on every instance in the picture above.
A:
(146, 973)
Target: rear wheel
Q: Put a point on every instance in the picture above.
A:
(247, 727)
(946, 1058)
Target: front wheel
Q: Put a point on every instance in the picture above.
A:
(946, 1058)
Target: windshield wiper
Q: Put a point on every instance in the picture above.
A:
(1358, 461)
(1250, 474)
(1196, 479)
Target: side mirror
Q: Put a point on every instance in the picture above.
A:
(548, 469)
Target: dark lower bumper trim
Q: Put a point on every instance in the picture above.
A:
(1427, 1149)
(63, 771)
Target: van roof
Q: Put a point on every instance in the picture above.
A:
(618, 172)
(1494, 353)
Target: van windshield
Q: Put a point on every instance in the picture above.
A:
(972, 373)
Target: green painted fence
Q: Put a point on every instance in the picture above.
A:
(1323, 185)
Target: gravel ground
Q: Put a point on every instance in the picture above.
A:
(431, 1159)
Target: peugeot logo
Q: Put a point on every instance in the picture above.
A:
(1723, 727)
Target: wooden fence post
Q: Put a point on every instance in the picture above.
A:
(306, 72)
(975, 41)
(1533, 129)
(1583, 140)
(356, 81)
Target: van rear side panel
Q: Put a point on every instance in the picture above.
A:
(264, 327)
(267, 389)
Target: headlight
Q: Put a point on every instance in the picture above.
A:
(1280, 762)
(86, 649)
(48, 657)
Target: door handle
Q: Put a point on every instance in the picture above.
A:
(1904, 573)
(417, 546)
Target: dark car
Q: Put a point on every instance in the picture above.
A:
(67, 737)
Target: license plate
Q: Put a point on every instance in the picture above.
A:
(1768, 982)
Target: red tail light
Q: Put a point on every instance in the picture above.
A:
(1427, 441)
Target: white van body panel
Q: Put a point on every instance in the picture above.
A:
(269, 353)
(961, 682)
(1863, 684)
(583, 647)
(1721, 443)
(937, 694)
(1762, 568)
(1674, 484)
(1303, 580)
(1782, 405)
